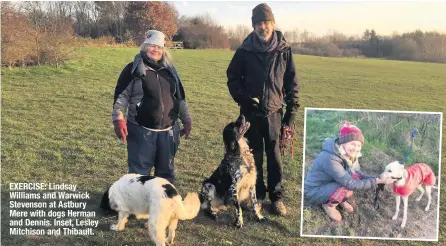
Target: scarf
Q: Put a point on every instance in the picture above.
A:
(254, 43)
(150, 62)
(352, 163)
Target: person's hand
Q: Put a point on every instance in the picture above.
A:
(121, 129)
(252, 102)
(287, 132)
(385, 181)
(187, 127)
(248, 101)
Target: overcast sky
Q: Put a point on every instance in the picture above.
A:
(320, 18)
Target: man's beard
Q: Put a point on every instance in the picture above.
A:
(263, 36)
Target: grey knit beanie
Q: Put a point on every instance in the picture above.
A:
(262, 12)
(154, 37)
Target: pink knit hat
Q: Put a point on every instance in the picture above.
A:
(349, 133)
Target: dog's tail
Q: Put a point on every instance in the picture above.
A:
(189, 208)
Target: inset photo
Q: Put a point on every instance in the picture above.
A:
(371, 174)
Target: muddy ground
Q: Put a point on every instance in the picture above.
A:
(365, 221)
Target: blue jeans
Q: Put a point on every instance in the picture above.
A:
(147, 149)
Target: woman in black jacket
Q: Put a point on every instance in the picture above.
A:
(150, 94)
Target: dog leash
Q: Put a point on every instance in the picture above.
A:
(284, 141)
(377, 191)
(410, 147)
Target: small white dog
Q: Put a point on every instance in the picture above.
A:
(143, 195)
(410, 179)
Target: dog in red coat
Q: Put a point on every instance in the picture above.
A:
(410, 179)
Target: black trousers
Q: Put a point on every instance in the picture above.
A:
(264, 135)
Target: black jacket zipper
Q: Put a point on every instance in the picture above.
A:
(162, 100)
(268, 68)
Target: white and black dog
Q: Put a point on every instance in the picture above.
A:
(410, 179)
(146, 195)
(234, 181)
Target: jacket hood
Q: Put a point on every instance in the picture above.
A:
(330, 147)
(138, 68)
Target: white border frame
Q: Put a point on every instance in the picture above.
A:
(369, 110)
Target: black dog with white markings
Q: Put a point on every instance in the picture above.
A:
(234, 181)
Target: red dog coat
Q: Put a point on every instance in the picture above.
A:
(416, 174)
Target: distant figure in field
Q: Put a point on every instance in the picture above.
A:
(262, 79)
(150, 89)
(335, 173)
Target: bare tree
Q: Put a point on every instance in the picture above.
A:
(142, 16)
(15, 49)
(201, 32)
(36, 13)
(83, 18)
(111, 17)
(237, 35)
(292, 36)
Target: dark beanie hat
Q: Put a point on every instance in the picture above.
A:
(262, 12)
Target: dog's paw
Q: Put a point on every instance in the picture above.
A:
(213, 216)
(403, 224)
(394, 217)
(114, 227)
(146, 225)
(427, 208)
(238, 224)
(418, 199)
(261, 219)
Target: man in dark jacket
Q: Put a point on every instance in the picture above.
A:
(262, 79)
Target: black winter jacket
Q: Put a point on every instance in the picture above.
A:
(151, 99)
(270, 77)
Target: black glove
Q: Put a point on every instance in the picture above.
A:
(253, 103)
(248, 102)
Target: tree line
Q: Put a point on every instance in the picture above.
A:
(412, 46)
(35, 33)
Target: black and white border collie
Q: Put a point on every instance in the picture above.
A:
(146, 195)
(234, 181)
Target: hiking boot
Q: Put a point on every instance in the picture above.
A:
(332, 212)
(279, 208)
(347, 207)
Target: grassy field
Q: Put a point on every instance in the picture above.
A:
(56, 127)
